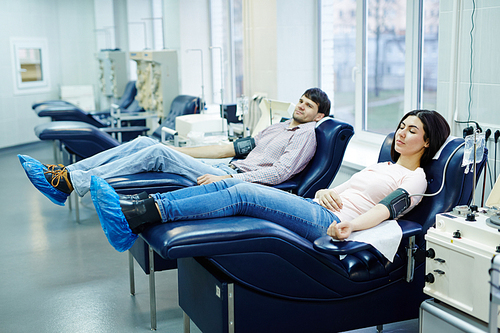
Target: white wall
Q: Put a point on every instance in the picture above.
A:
(260, 47)
(485, 68)
(194, 33)
(281, 48)
(297, 48)
(67, 25)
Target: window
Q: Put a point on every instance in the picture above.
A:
(227, 49)
(338, 55)
(430, 54)
(375, 66)
(385, 64)
(30, 70)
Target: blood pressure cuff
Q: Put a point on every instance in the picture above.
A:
(397, 202)
(243, 146)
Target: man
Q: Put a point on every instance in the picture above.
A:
(281, 151)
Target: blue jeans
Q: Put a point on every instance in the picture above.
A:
(231, 197)
(140, 155)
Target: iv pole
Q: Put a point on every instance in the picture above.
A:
(221, 85)
(202, 86)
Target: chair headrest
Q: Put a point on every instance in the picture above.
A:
(332, 137)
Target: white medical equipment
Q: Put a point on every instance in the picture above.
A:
(460, 249)
(157, 80)
(112, 73)
(272, 112)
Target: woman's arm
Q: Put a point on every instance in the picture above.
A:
(371, 218)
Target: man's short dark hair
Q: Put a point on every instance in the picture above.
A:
(319, 97)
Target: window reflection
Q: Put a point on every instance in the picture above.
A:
(430, 54)
(30, 62)
(386, 29)
(338, 55)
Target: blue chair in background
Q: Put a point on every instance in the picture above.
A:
(81, 140)
(251, 275)
(65, 111)
(84, 140)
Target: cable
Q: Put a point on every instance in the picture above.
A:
(444, 175)
(497, 134)
(486, 137)
(471, 53)
(468, 130)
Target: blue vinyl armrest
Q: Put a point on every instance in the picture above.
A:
(410, 228)
(327, 245)
(289, 185)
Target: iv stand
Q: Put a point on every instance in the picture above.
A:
(202, 86)
(221, 85)
(473, 208)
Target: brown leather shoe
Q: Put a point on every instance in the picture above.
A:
(58, 176)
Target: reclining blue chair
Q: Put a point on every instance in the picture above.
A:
(332, 137)
(84, 140)
(250, 275)
(59, 110)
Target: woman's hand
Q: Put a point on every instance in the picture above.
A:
(340, 230)
(329, 199)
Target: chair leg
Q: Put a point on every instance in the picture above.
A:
(55, 145)
(77, 207)
(380, 328)
(72, 159)
(131, 273)
(187, 323)
(152, 292)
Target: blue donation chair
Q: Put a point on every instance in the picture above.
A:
(84, 140)
(59, 110)
(250, 275)
(64, 111)
(332, 137)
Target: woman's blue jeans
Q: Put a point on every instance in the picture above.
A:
(232, 197)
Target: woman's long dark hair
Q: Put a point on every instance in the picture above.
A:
(436, 130)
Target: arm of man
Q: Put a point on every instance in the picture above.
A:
(297, 154)
(214, 151)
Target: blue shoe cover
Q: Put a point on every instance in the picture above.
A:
(34, 171)
(113, 222)
(26, 158)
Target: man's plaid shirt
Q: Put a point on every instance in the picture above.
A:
(280, 153)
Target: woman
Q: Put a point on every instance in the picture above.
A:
(354, 205)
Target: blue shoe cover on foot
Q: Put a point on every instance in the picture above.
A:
(34, 171)
(26, 158)
(113, 222)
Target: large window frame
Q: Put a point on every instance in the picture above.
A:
(413, 81)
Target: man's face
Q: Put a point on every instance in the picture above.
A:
(306, 111)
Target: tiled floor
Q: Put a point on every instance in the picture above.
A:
(58, 275)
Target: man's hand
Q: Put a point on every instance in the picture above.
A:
(208, 179)
(340, 230)
(329, 199)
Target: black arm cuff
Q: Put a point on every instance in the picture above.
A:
(243, 146)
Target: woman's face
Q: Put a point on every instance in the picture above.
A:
(410, 137)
